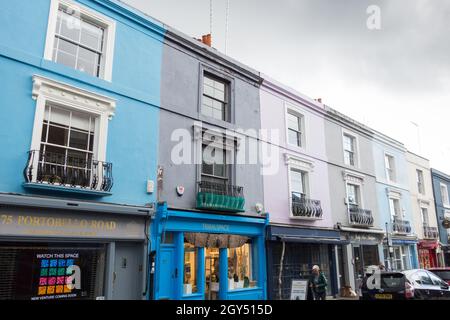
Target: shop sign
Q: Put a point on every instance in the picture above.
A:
(216, 227)
(54, 224)
(358, 237)
(56, 273)
(299, 289)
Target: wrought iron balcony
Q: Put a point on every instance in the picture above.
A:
(430, 232)
(220, 197)
(360, 217)
(305, 208)
(58, 169)
(401, 226)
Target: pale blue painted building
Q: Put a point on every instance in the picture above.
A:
(394, 203)
(79, 103)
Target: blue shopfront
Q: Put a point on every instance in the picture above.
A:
(208, 256)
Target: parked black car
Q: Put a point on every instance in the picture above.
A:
(427, 285)
(392, 286)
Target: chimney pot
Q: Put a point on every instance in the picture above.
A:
(206, 39)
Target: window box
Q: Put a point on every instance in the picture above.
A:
(220, 197)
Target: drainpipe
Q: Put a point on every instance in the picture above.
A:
(281, 269)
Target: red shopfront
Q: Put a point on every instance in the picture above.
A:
(428, 257)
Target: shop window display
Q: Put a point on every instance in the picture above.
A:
(190, 269)
(240, 268)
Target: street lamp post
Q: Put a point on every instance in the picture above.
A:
(389, 245)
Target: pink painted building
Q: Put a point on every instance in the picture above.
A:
(296, 188)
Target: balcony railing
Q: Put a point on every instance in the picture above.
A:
(220, 197)
(305, 208)
(430, 232)
(401, 226)
(360, 217)
(58, 169)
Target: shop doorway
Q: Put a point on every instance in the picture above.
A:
(128, 271)
(364, 256)
(212, 271)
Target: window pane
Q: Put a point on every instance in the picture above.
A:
(219, 95)
(44, 133)
(91, 36)
(207, 110)
(66, 53)
(219, 85)
(208, 90)
(54, 155)
(88, 61)
(352, 193)
(349, 158)
(348, 143)
(297, 181)
(294, 138)
(66, 47)
(293, 122)
(77, 158)
(58, 135)
(240, 267)
(79, 140)
(208, 81)
(80, 121)
(70, 27)
(190, 269)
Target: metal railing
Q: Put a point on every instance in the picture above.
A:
(68, 171)
(401, 226)
(303, 207)
(360, 217)
(430, 232)
(220, 188)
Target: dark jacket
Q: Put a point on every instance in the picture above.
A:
(321, 285)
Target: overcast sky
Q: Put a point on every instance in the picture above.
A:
(384, 78)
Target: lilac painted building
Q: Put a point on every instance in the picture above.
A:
(296, 189)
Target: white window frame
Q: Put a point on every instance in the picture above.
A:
(393, 214)
(47, 91)
(423, 191)
(231, 147)
(393, 170)
(424, 223)
(307, 167)
(354, 179)
(447, 202)
(296, 111)
(346, 132)
(109, 37)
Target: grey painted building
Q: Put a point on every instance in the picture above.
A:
(352, 195)
(203, 90)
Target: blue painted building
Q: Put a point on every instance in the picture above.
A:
(79, 100)
(441, 187)
(394, 203)
(195, 250)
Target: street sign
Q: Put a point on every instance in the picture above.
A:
(299, 289)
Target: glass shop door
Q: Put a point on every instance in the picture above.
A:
(212, 273)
